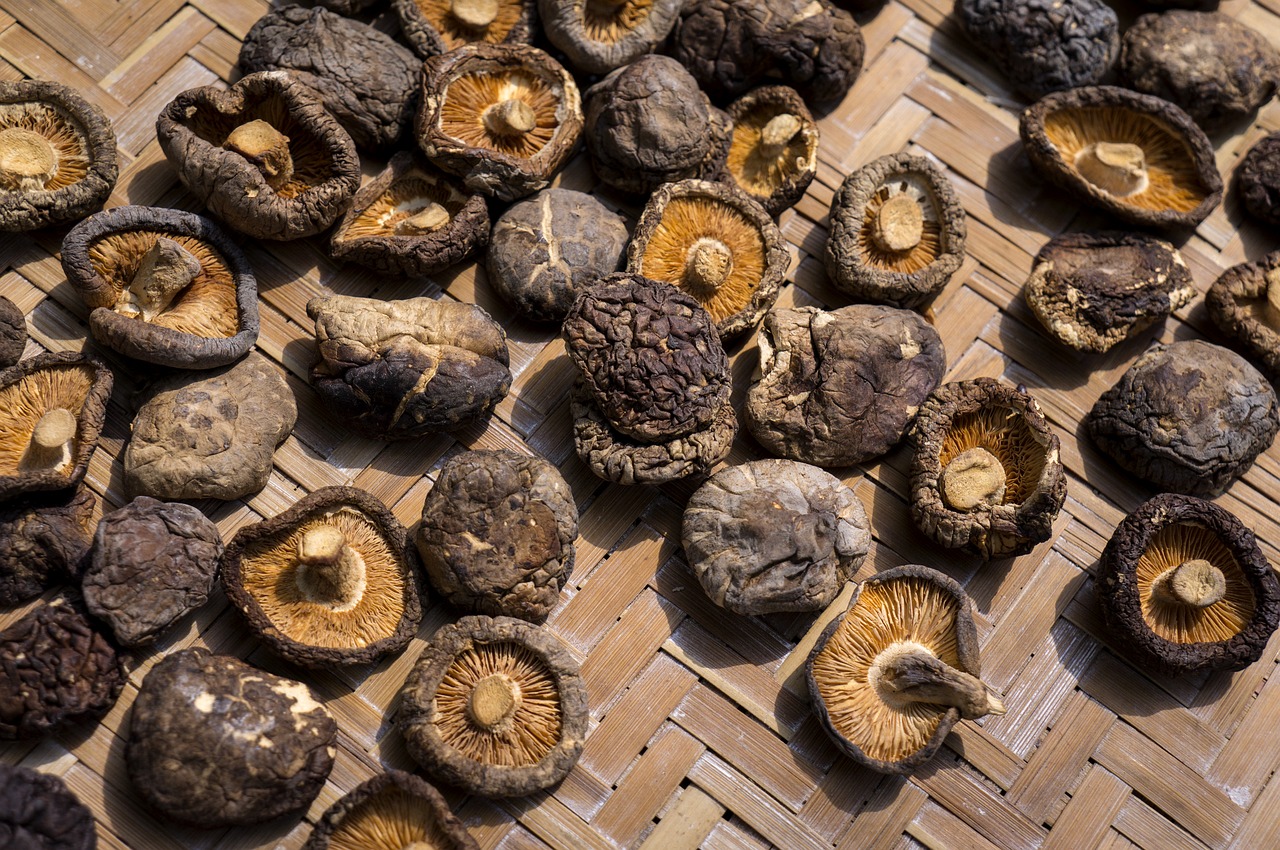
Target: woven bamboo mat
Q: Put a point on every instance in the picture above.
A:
(701, 733)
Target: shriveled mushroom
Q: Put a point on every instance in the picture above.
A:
(773, 155)
(1258, 179)
(44, 540)
(392, 811)
(1244, 302)
(433, 27)
(600, 35)
(13, 333)
(39, 812)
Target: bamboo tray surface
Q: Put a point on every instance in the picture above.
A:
(701, 734)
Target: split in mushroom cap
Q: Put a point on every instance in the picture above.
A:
(392, 811)
(774, 152)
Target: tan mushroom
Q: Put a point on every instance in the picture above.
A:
(391, 811)
(438, 26)
(514, 113)
(1191, 587)
(774, 153)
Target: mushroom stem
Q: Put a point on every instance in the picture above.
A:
(493, 701)
(166, 269)
(1196, 582)
(899, 223)
(707, 264)
(1118, 168)
(50, 446)
(778, 133)
(477, 14)
(27, 160)
(429, 219)
(512, 117)
(330, 572)
(908, 672)
(972, 479)
(266, 147)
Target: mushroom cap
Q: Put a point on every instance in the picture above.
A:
(1092, 291)
(13, 333)
(459, 91)
(459, 733)
(211, 322)
(1181, 184)
(1258, 179)
(432, 28)
(600, 36)
(1239, 305)
(909, 603)
(904, 271)
(1189, 417)
(44, 539)
(38, 811)
(1161, 633)
(31, 389)
(265, 579)
(373, 232)
(392, 811)
(773, 155)
(82, 145)
(1008, 425)
(194, 126)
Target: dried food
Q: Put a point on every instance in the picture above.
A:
(411, 220)
(392, 811)
(164, 286)
(1092, 291)
(649, 355)
(56, 671)
(893, 674)
(495, 706)
(1184, 587)
(392, 370)
(1258, 179)
(503, 117)
(38, 812)
(57, 155)
(600, 35)
(1138, 157)
(1044, 46)
(215, 742)
(716, 244)
(433, 27)
(897, 232)
(987, 474)
(1244, 303)
(211, 435)
(13, 333)
(52, 407)
(773, 154)
(841, 387)
(1216, 68)
(346, 7)
(546, 249)
(497, 534)
(366, 79)
(1189, 417)
(332, 580)
(774, 535)
(265, 156)
(650, 124)
(44, 540)
(153, 563)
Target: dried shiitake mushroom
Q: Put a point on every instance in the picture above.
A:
(433, 27)
(503, 117)
(495, 706)
(897, 232)
(332, 580)
(392, 811)
(13, 333)
(987, 475)
(600, 35)
(841, 387)
(1258, 179)
(57, 155)
(38, 812)
(1184, 587)
(52, 407)
(411, 220)
(773, 155)
(164, 286)
(1244, 303)
(497, 534)
(893, 674)
(265, 155)
(214, 742)
(346, 7)
(774, 535)
(392, 370)
(44, 540)
(1094, 290)
(1189, 417)
(1138, 157)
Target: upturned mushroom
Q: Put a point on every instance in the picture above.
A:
(1244, 302)
(773, 155)
(433, 27)
(392, 811)
(600, 35)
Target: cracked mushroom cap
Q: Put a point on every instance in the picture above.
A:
(1140, 158)
(411, 220)
(987, 475)
(1244, 303)
(392, 811)
(495, 706)
(897, 232)
(332, 580)
(57, 155)
(52, 407)
(44, 540)
(1184, 587)
(1189, 417)
(600, 35)
(503, 117)
(434, 27)
(1092, 291)
(39, 812)
(13, 333)
(164, 286)
(1258, 179)
(265, 156)
(893, 674)
(773, 155)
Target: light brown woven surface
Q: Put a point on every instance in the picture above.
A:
(700, 729)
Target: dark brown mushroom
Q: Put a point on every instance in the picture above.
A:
(44, 540)
(1244, 302)
(346, 7)
(433, 27)
(13, 333)
(495, 706)
(773, 155)
(38, 812)
(897, 232)
(392, 811)
(164, 286)
(1184, 587)
(1138, 157)
(1258, 179)
(503, 117)
(600, 35)
(1189, 417)
(265, 155)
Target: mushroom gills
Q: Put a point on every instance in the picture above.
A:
(330, 571)
(27, 160)
(266, 147)
(51, 441)
(1190, 586)
(166, 269)
(390, 820)
(907, 672)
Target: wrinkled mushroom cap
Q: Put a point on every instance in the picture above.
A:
(773, 156)
(44, 539)
(1244, 303)
(38, 810)
(1258, 179)
(600, 35)
(392, 811)
(13, 333)
(433, 27)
